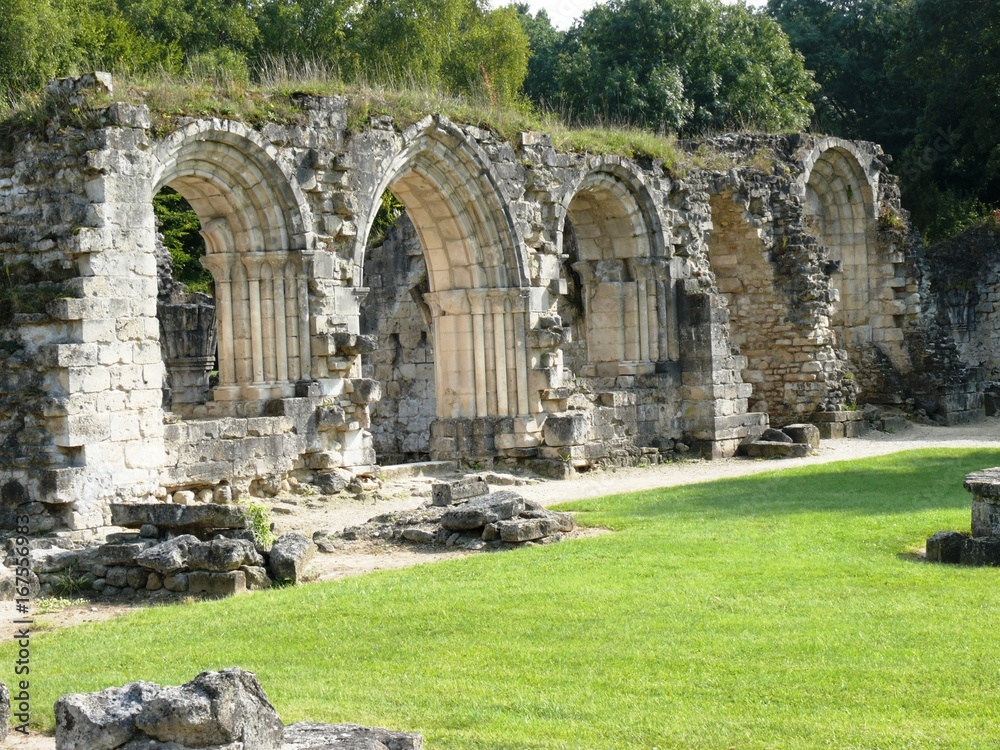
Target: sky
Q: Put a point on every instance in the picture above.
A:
(564, 12)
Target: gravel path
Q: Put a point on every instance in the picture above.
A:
(978, 435)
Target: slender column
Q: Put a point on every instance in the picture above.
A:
(292, 321)
(521, 353)
(437, 315)
(267, 322)
(509, 338)
(672, 326)
(477, 303)
(280, 325)
(653, 333)
(241, 323)
(252, 264)
(305, 343)
(500, 353)
(491, 363)
(642, 305)
(587, 281)
(220, 266)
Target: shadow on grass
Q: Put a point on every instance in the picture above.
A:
(921, 480)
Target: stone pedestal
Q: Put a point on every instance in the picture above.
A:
(985, 489)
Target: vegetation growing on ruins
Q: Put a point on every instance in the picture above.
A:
(780, 609)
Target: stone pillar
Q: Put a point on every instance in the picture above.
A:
(985, 488)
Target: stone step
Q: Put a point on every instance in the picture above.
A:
(418, 469)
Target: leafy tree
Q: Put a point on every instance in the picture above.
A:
(687, 65)
(180, 227)
(490, 55)
(951, 53)
(42, 39)
(545, 43)
(850, 44)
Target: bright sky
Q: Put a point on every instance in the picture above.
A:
(564, 12)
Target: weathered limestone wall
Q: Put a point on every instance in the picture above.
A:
(403, 361)
(546, 309)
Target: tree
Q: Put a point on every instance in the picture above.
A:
(544, 42)
(683, 65)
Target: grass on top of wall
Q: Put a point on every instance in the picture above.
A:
(277, 97)
(781, 610)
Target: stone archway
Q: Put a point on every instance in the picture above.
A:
(629, 310)
(254, 224)
(840, 206)
(475, 277)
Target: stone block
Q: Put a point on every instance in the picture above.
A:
(311, 736)
(766, 449)
(980, 551)
(945, 547)
(567, 429)
(449, 493)
(289, 557)
(217, 584)
(178, 517)
(477, 513)
(803, 433)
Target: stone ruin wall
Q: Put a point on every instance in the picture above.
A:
(566, 310)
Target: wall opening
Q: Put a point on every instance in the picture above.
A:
(745, 276)
(628, 310)
(253, 252)
(395, 313)
(185, 304)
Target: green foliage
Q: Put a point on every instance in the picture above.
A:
(919, 77)
(70, 583)
(782, 610)
(180, 227)
(389, 210)
(260, 525)
(682, 65)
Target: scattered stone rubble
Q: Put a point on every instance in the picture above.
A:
(226, 710)
(465, 514)
(203, 549)
(982, 547)
(793, 441)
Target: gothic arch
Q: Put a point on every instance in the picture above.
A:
(460, 213)
(255, 222)
(617, 240)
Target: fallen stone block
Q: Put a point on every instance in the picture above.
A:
(980, 551)
(421, 535)
(215, 708)
(803, 433)
(771, 435)
(310, 736)
(178, 517)
(217, 584)
(496, 506)
(449, 493)
(945, 547)
(103, 720)
(767, 449)
(525, 529)
(289, 556)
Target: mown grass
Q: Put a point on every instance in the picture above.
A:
(773, 611)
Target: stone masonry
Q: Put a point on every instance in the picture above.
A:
(565, 310)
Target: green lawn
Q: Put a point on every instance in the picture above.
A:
(773, 611)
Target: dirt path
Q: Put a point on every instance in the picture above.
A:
(309, 514)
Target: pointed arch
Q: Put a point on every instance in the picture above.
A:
(455, 202)
(257, 225)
